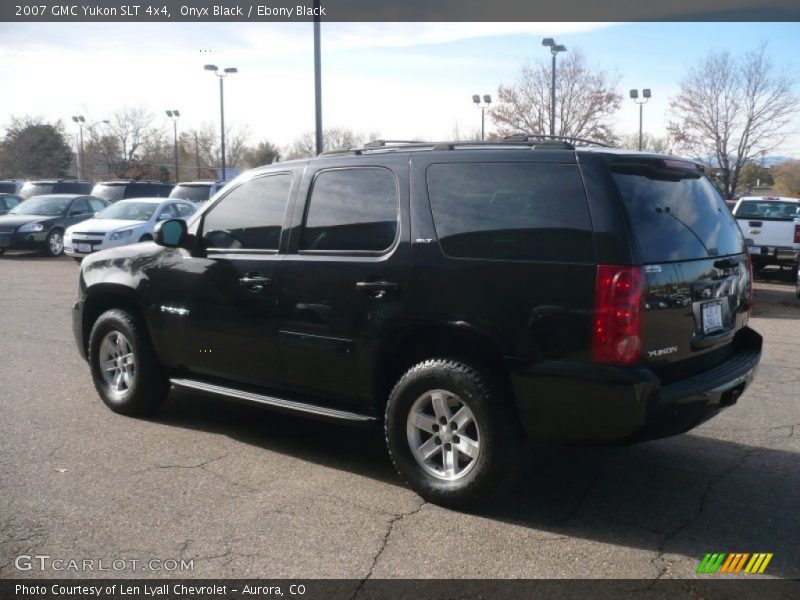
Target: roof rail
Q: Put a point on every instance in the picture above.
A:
(568, 139)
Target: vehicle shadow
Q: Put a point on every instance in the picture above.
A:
(31, 256)
(686, 495)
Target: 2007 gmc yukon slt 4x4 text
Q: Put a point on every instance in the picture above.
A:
(466, 296)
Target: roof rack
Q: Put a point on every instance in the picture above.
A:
(569, 139)
(535, 141)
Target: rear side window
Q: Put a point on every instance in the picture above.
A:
(675, 212)
(195, 193)
(8, 188)
(352, 210)
(511, 211)
(250, 217)
(109, 192)
(35, 189)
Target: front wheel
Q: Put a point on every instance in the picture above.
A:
(450, 433)
(55, 243)
(125, 369)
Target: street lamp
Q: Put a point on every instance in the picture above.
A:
(221, 76)
(642, 102)
(487, 100)
(80, 120)
(554, 50)
(174, 115)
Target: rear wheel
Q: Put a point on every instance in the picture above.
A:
(54, 243)
(125, 369)
(450, 434)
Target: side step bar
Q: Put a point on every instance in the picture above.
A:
(273, 402)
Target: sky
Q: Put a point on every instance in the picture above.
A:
(400, 80)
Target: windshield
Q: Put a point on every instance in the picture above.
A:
(112, 193)
(768, 209)
(36, 189)
(675, 212)
(42, 205)
(194, 193)
(131, 211)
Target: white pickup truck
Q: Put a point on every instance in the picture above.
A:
(771, 226)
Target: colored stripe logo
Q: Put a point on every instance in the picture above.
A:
(721, 562)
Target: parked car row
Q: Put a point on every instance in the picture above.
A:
(79, 224)
(121, 189)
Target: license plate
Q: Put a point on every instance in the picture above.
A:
(83, 248)
(712, 316)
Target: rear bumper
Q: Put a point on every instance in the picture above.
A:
(770, 255)
(568, 402)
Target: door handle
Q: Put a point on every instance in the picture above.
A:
(254, 281)
(376, 289)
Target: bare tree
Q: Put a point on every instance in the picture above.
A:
(121, 140)
(203, 150)
(650, 143)
(586, 100)
(264, 153)
(730, 109)
(334, 138)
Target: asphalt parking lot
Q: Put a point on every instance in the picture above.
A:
(249, 493)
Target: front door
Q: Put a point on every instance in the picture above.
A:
(219, 310)
(344, 278)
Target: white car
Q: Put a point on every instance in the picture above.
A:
(124, 222)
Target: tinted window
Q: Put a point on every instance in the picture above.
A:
(511, 211)
(35, 189)
(195, 193)
(79, 207)
(250, 216)
(771, 209)
(352, 209)
(676, 213)
(8, 188)
(148, 190)
(96, 204)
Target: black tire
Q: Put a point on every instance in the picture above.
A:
(51, 248)
(2, 250)
(500, 438)
(149, 386)
(146, 238)
(78, 259)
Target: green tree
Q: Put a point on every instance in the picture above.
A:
(34, 149)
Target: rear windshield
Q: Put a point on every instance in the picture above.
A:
(109, 192)
(195, 193)
(511, 211)
(35, 189)
(675, 212)
(768, 209)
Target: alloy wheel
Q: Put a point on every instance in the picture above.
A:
(117, 363)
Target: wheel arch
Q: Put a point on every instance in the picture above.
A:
(102, 297)
(416, 342)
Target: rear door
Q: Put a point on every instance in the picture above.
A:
(344, 281)
(697, 281)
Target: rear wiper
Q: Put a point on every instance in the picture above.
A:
(667, 211)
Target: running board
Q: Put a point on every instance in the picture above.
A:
(271, 401)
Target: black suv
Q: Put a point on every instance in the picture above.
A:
(54, 186)
(466, 296)
(123, 189)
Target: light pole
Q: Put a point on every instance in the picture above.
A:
(80, 120)
(641, 103)
(221, 76)
(317, 79)
(554, 50)
(174, 115)
(487, 100)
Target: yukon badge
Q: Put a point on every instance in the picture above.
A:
(662, 352)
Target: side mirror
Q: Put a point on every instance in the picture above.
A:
(171, 233)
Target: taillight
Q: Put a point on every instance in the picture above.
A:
(616, 337)
(797, 234)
